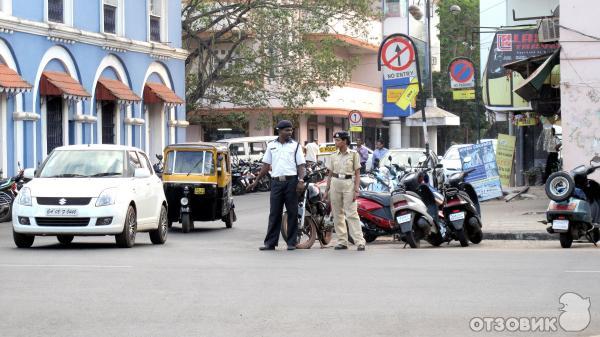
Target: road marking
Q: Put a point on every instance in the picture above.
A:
(58, 266)
(582, 271)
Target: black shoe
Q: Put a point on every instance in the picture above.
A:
(266, 248)
(291, 248)
(339, 247)
(361, 248)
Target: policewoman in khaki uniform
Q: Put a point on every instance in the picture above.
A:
(342, 190)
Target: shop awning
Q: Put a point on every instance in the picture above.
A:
(160, 93)
(54, 83)
(114, 90)
(535, 71)
(11, 82)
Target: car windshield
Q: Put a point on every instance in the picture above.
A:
(190, 162)
(401, 158)
(83, 163)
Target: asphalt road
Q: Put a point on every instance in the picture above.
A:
(214, 282)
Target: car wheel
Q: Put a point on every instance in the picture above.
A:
(23, 240)
(65, 239)
(159, 235)
(126, 239)
(186, 223)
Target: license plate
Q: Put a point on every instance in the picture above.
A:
(61, 212)
(199, 190)
(403, 218)
(560, 224)
(457, 216)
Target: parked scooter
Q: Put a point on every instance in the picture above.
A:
(158, 166)
(462, 211)
(574, 210)
(9, 188)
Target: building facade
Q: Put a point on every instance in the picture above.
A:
(80, 72)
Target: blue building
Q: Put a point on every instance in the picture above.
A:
(89, 71)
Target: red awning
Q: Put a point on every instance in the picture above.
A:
(10, 81)
(114, 90)
(54, 83)
(159, 93)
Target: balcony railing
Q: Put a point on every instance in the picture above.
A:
(110, 19)
(154, 28)
(55, 11)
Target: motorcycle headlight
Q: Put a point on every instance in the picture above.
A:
(25, 196)
(107, 197)
(184, 201)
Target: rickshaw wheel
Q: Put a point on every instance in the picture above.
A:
(186, 223)
(229, 218)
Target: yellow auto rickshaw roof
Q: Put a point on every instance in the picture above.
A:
(198, 145)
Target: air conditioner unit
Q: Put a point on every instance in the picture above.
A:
(548, 30)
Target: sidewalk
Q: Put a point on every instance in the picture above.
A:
(517, 219)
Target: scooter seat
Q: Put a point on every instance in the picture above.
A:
(380, 198)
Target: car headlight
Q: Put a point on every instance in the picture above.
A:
(184, 201)
(107, 197)
(25, 196)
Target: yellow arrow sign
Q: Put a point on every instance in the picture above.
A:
(409, 94)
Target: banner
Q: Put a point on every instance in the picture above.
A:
(485, 179)
(505, 152)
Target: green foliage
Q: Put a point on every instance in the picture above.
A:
(457, 40)
(253, 52)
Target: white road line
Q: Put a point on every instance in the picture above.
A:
(58, 266)
(582, 271)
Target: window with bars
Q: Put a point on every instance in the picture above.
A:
(156, 15)
(110, 18)
(56, 11)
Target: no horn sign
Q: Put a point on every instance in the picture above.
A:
(462, 74)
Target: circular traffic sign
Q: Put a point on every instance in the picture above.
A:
(397, 54)
(462, 71)
(355, 117)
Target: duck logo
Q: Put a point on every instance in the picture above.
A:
(575, 312)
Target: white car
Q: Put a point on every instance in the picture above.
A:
(451, 160)
(91, 190)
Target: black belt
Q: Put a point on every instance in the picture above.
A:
(342, 176)
(284, 178)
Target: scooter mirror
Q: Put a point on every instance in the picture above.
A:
(409, 162)
(159, 157)
(596, 159)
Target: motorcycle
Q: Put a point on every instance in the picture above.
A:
(574, 209)
(315, 220)
(9, 188)
(158, 166)
(462, 210)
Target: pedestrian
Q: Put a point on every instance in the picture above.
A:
(552, 146)
(312, 151)
(342, 191)
(285, 160)
(379, 153)
(364, 155)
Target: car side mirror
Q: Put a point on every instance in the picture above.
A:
(29, 173)
(141, 172)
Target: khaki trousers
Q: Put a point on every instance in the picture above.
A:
(344, 210)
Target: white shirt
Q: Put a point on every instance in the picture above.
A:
(312, 150)
(281, 158)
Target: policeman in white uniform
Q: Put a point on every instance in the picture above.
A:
(285, 159)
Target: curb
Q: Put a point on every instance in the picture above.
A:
(518, 236)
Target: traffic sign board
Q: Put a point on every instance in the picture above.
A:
(462, 74)
(459, 95)
(355, 118)
(409, 94)
(398, 59)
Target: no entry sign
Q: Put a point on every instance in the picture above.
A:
(462, 74)
(398, 59)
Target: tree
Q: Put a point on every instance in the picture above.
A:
(456, 40)
(251, 53)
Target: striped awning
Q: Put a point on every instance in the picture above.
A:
(54, 83)
(114, 90)
(11, 82)
(160, 93)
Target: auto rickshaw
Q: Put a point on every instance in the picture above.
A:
(197, 183)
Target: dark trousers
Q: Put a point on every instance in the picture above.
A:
(551, 164)
(363, 168)
(283, 192)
